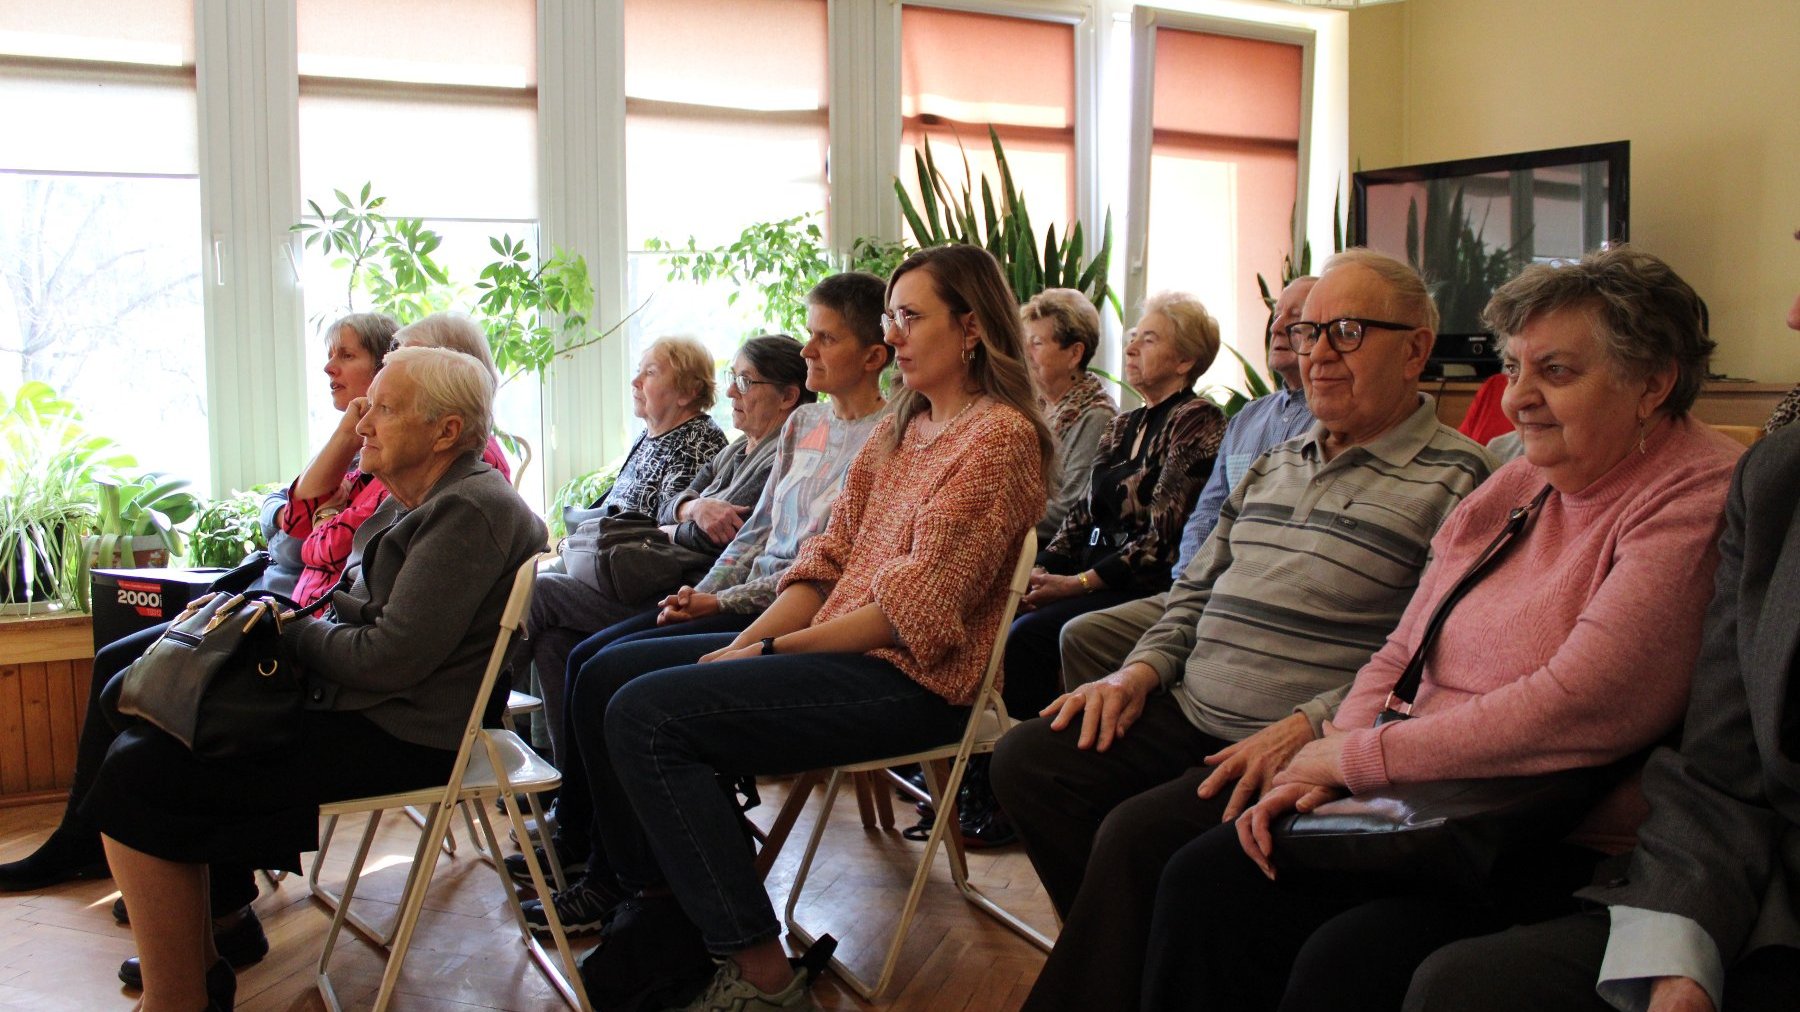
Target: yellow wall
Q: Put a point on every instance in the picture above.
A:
(1708, 94)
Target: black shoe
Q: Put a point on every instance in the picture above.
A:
(64, 857)
(582, 908)
(221, 987)
(243, 944)
(573, 864)
(119, 912)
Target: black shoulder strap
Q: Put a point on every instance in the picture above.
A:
(1400, 700)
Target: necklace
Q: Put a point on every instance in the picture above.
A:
(926, 439)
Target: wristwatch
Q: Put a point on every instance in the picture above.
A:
(768, 643)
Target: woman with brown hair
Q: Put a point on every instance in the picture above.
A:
(876, 644)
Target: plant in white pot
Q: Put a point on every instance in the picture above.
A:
(48, 465)
(134, 527)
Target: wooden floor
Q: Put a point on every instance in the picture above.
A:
(60, 949)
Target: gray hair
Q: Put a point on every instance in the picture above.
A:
(449, 383)
(1645, 316)
(374, 331)
(454, 331)
(692, 365)
(1072, 318)
(1196, 331)
(1409, 300)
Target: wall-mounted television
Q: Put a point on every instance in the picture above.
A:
(1471, 224)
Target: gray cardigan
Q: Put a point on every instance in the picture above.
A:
(733, 475)
(413, 631)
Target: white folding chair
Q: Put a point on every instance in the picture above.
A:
(987, 722)
(518, 704)
(489, 765)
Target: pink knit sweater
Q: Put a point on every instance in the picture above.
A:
(929, 532)
(1576, 650)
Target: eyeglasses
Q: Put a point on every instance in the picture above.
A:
(741, 382)
(1344, 333)
(903, 319)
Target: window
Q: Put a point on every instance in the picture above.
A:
(100, 245)
(961, 72)
(441, 118)
(1224, 173)
(726, 124)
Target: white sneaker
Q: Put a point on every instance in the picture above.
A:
(730, 992)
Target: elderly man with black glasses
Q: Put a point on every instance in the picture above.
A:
(1312, 562)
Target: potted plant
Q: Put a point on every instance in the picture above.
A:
(134, 525)
(47, 471)
(228, 529)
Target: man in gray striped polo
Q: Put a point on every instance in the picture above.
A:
(1314, 558)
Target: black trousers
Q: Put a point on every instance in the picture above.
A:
(1226, 937)
(233, 885)
(1098, 827)
(1033, 665)
(1553, 966)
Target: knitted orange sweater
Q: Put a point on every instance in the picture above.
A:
(929, 532)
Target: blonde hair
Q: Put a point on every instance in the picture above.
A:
(449, 383)
(692, 365)
(968, 280)
(1196, 331)
(453, 331)
(1072, 318)
(1409, 301)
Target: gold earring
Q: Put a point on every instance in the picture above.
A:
(1643, 429)
(969, 354)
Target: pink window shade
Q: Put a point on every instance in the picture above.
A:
(1223, 178)
(961, 72)
(726, 115)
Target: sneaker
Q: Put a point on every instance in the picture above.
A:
(573, 864)
(730, 992)
(582, 909)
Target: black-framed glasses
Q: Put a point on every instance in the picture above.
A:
(741, 382)
(1345, 333)
(903, 319)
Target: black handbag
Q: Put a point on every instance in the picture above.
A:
(627, 557)
(1450, 832)
(215, 680)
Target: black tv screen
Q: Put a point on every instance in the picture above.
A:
(1470, 225)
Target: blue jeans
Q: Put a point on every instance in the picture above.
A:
(671, 731)
(590, 685)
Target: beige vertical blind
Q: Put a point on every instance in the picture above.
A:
(726, 115)
(960, 72)
(1224, 167)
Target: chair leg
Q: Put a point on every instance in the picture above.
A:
(340, 907)
(566, 979)
(776, 837)
(910, 909)
(865, 800)
(449, 837)
(412, 902)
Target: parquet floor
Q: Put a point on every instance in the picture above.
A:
(60, 949)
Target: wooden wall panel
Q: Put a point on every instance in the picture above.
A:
(43, 698)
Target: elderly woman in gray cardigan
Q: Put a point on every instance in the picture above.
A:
(396, 665)
(766, 382)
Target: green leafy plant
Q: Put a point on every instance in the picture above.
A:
(580, 492)
(47, 475)
(534, 309)
(1002, 226)
(1445, 245)
(227, 529)
(147, 506)
(782, 259)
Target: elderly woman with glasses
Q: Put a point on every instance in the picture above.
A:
(1573, 649)
(766, 382)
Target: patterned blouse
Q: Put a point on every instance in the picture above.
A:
(1785, 412)
(658, 468)
(1152, 464)
(812, 455)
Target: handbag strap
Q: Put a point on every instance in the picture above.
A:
(1399, 702)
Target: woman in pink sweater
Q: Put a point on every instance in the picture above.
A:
(1573, 650)
(875, 646)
